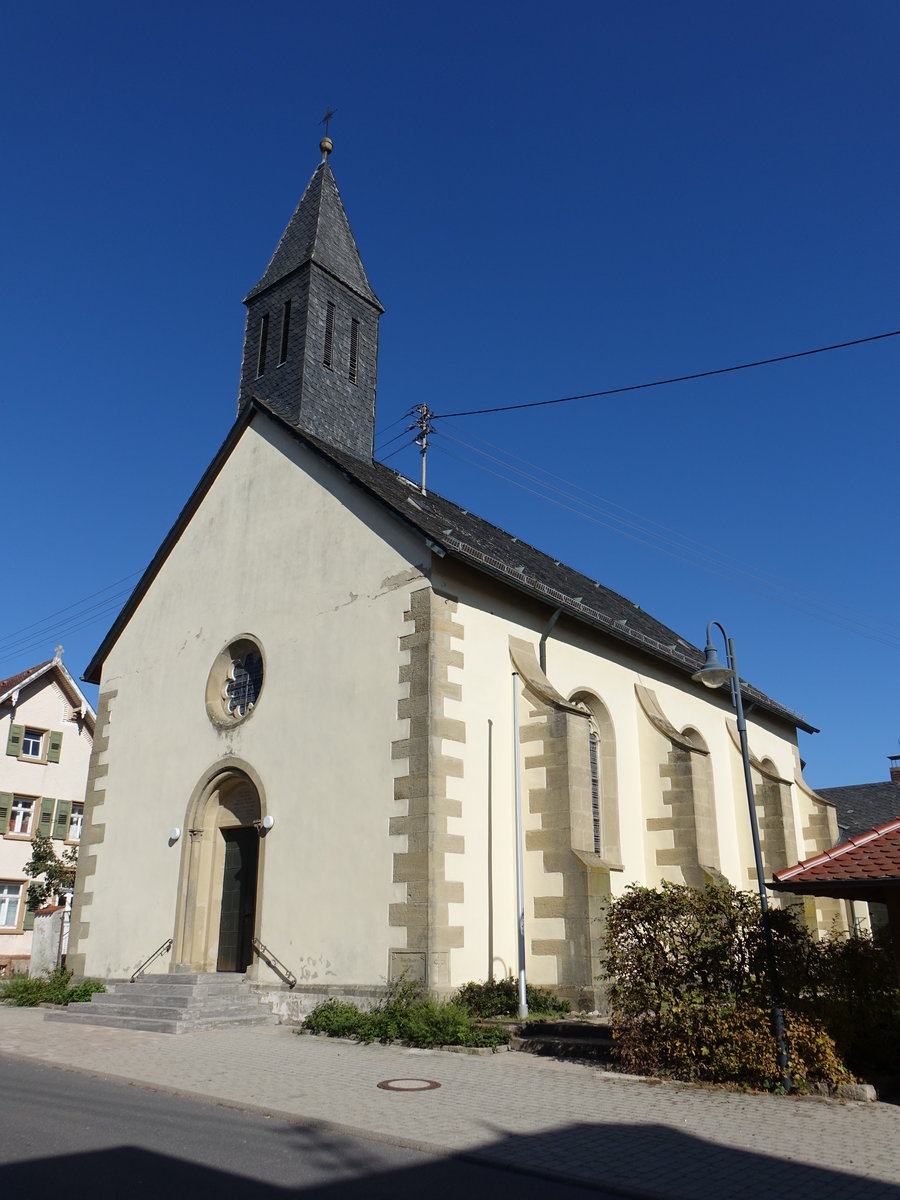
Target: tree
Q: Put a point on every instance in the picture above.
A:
(50, 875)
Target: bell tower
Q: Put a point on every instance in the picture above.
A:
(311, 338)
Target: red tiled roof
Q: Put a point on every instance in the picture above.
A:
(872, 857)
(7, 685)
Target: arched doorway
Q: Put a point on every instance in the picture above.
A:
(217, 909)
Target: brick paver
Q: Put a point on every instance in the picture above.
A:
(561, 1119)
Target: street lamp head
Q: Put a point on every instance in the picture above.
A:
(712, 674)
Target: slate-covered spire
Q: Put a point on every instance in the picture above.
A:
(311, 339)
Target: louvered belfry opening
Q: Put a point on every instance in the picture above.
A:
(329, 334)
(325, 380)
(354, 348)
(285, 331)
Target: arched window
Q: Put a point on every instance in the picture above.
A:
(603, 774)
(594, 754)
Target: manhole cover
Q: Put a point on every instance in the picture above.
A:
(408, 1085)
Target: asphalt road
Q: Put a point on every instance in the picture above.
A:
(68, 1134)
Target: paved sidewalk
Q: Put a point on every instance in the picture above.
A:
(559, 1119)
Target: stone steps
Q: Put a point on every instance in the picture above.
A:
(171, 1004)
(581, 1039)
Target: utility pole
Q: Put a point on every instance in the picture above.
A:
(424, 426)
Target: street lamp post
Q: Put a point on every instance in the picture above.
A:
(713, 675)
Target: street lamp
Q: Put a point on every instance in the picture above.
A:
(713, 674)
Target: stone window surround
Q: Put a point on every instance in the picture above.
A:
(50, 743)
(31, 734)
(19, 807)
(235, 649)
(77, 808)
(16, 926)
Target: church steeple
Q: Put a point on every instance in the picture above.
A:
(311, 339)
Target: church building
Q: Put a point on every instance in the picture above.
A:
(310, 706)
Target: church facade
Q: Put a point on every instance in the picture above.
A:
(306, 735)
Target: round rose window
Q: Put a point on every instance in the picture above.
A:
(235, 682)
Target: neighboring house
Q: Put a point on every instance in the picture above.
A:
(864, 869)
(859, 808)
(46, 729)
(305, 726)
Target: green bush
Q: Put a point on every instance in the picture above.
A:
(500, 998)
(81, 992)
(729, 1045)
(404, 1015)
(690, 988)
(26, 991)
(853, 985)
(23, 991)
(336, 1018)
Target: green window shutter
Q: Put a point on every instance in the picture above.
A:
(45, 820)
(5, 806)
(28, 923)
(61, 824)
(55, 742)
(14, 741)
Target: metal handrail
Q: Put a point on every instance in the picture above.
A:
(167, 945)
(276, 964)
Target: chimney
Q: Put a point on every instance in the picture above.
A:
(894, 760)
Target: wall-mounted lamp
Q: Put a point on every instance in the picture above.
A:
(268, 821)
(174, 835)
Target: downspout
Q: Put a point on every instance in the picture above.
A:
(542, 645)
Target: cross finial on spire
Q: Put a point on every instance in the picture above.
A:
(59, 653)
(326, 145)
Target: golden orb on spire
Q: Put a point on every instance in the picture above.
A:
(326, 145)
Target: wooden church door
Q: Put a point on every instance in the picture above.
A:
(238, 899)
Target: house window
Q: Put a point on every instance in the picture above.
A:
(76, 820)
(10, 895)
(32, 744)
(285, 330)
(595, 790)
(354, 349)
(21, 815)
(329, 334)
(263, 342)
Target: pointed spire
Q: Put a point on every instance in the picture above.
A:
(319, 232)
(311, 337)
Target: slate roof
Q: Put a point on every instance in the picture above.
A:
(862, 806)
(319, 232)
(453, 531)
(864, 863)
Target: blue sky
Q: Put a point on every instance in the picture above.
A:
(548, 200)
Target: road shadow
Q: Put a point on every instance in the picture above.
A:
(611, 1160)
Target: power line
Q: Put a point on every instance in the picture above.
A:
(68, 607)
(405, 416)
(405, 446)
(400, 435)
(638, 387)
(678, 549)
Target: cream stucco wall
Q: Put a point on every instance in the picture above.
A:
(41, 706)
(582, 662)
(313, 571)
(382, 745)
